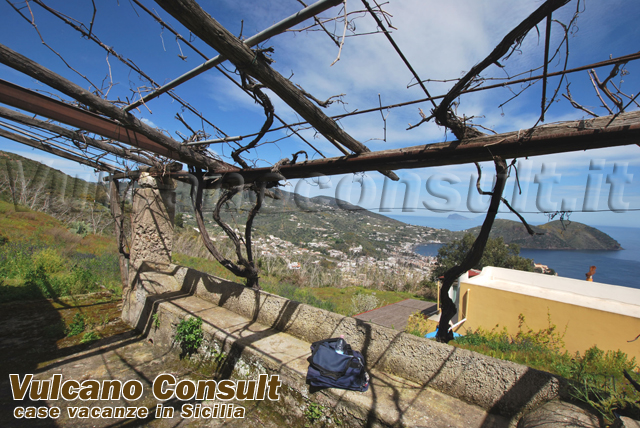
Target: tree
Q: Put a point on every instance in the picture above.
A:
(179, 221)
(496, 253)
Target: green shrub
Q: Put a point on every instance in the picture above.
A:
(292, 292)
(313, 412)
(80, 281)
(179, 220)
(50, 260)
(597, 376)
(362, 302)
(80, 228)
(418, 325)
(77, 325)
(90, 336)
(189, 335)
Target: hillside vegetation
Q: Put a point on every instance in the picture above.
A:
(31, 185)
(308, 243)
(555, 236)
(301, 221)
(41, 258)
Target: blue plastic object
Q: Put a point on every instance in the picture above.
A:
(433, 334)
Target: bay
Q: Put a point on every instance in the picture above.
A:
(612, 267)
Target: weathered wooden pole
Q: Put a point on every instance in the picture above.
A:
(192, 16)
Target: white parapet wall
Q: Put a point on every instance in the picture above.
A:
(497, 386)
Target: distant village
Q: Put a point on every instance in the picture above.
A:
(398, 258)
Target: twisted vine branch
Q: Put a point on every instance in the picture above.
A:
(245, 266)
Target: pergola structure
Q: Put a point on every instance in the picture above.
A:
(108, 135)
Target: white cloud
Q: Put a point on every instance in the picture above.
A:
(148, 122)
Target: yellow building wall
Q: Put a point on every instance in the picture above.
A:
(485, 307)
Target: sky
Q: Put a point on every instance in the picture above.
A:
(442, 40)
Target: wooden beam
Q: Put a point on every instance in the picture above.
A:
(31, 68)
(118, 220)
(256, 39)
(543, 140)
(563, 137)
(200, 23)
(441, 113)
(33, 102)
(72, 135)
(55, 151)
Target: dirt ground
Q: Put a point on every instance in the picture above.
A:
(34, 339)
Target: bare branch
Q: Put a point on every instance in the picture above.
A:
(344, 32)
(32, 21)
(616, 100)
(197, 186)
(247, 83)
(595, 86)
(321, 24)
(397, 49)
(575, 104)
(117, 212)
(443, 114)
(332, 99)
(129, 63)
(44, 75)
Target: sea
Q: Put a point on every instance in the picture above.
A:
(612, 267)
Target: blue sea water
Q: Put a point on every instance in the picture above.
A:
(613, 267)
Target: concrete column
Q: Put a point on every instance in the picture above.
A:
(154, 206)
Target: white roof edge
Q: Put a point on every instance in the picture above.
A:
(604, 297)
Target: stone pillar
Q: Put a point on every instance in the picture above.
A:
(154, 209)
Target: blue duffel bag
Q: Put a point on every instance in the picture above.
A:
(329, 369)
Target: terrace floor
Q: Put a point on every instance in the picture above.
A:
(396, 315)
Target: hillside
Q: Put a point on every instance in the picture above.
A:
(40, 257)
(573, 236)
(341, 225)
(23, 173)
(321, 222)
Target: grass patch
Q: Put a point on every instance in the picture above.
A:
(35, 270)
(302, 295)
(211, 267)
(342, 298)
(334, 299)
(597, 376)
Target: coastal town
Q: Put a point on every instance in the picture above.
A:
(398, 257)
(353, 247)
